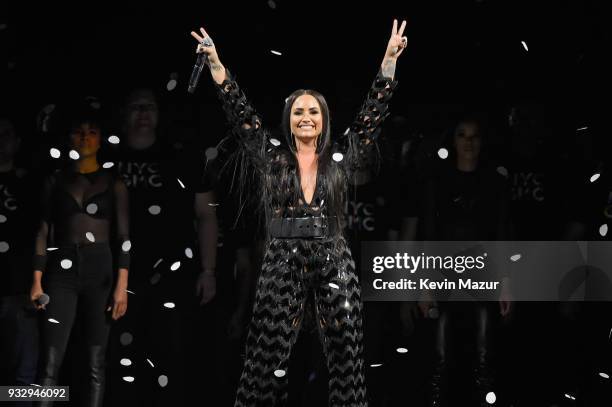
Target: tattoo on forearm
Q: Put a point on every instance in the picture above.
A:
(388, 68)
(216, 67)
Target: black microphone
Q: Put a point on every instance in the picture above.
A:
(42, 300)
(197, 70)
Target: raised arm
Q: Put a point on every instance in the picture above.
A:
(360, 136)
(243, 118)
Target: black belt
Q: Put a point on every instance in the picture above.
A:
(310, 227)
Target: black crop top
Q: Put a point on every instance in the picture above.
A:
(81, 209)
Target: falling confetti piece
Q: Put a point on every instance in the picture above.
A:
(171, 85)
(595, 177)
(337, 157)
(151, 363)
(66, 264)
(402, 350)
(125, 362)
(181, 183)
(126, 338)
(154, 209)
(211, 153)
(157, 263)
(108, 165)
(490, 397)
(169, 305)
(189, 253)
(332, 285)
(4, 247)
(279, 373)
(130, 292)
(525, 45)
(347, 131)
(55, 153)
(569, 396)
(162, 380)
(90, 237)
(376, 365)
(443, 153)
(2, 218)
(275, 52)
(582, 128)
(74, 155)
(35, 385)
(515, 257)
(53, 321)
(603, 230)
(128, 379)
(175, 266)
(502, 171)
(50, 249)
(275, 142)
(114, 139)
(604, 375)
(92, 208)
(213, 204)
(126, 246)
(347, 304)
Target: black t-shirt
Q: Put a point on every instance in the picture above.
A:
(17, 229)
(466, 206)
(162, 182)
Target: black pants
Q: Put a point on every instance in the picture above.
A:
(299, 275)
(79, 294)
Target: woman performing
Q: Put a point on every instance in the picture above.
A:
(307, 264)
(81, 206)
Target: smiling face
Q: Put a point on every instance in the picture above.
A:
(306, 118)
(85, 139)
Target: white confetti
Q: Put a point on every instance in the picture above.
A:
(171, 85)
(337, 157)
(4, 247)
(154, 209)
(50, 249)
(181, 183)
(126, 338)
(211, 153)
(595, 177)
(53, 321)
(151, 363)
(35, 385)
(347, 131)
(213, 204)
(169, 305)
(603, 230)
(604, 375)
(569, 396)
(108, 165)
(376, 365)
(125, 362)
(347, 304)
(90, 237)
(66, 264)
(74, 155)
(515, 257)
(126, 246)
(502, 171)
(275, 52)
(175, 266)
(279, 373)
(92, 208)
(189, 253)
(443, 153)
(55, 153)
(128, 379)
(490, 397)
(2, 218)
(582, 128)
(525, 45)
(130, 292)
(114, 139)
(332, 285)
(275, 142)
(162, 380)
(402, 350)
(157, 263)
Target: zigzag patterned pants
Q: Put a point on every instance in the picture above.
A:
(293, 271)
